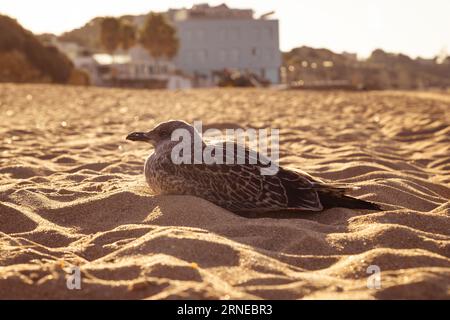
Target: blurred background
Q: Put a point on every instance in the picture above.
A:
(321, 44)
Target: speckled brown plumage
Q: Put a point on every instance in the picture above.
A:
(236, 187)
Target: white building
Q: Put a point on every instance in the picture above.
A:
(142, 66)
(212, 40)
(134, 68)
(88, 64)
(217, 38)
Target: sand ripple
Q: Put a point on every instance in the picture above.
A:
(72, 193)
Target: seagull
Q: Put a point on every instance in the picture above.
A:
(237, 187)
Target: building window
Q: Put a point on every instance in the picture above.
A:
(234, 33)
(256, 34)
(269, 56)
(200, 34)
(269, 32)
(202, 55)
(223, 34)
(189, 57)
(235, 55)
(188, 34)
(254, 52)
(222, 55)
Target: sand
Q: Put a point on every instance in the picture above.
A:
(72, 193)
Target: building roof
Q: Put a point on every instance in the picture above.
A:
(105, 59)
(205, 11)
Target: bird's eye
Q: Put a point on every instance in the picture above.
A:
(163, 133)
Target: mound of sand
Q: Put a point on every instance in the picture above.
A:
(72, 193)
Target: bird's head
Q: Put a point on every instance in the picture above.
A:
(162, 132)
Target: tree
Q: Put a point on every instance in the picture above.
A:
(23, 45)
(110, 38)
(159, 37)
(110, 34)
(127, 35)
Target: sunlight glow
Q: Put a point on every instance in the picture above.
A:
(414, 27)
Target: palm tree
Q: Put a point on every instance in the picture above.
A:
(159, 37)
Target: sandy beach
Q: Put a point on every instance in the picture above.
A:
(72, 193)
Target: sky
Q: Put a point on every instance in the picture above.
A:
(414, 27)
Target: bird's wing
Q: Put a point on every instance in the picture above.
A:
(300, 190)
(237, 186)
(240, 186)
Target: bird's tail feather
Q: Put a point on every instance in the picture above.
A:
(330, 198)
(338, 188)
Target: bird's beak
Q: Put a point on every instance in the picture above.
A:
(138, 136)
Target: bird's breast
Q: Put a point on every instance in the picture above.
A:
(157, 171)
(153, 174)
